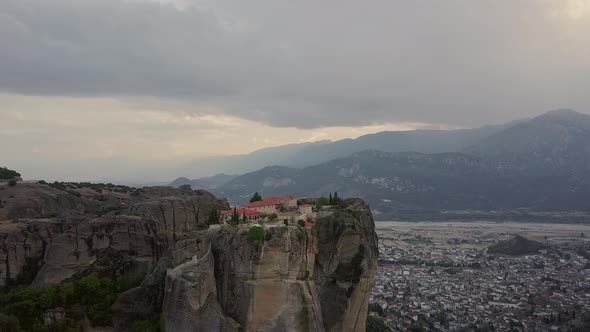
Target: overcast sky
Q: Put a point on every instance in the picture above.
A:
(134, 85)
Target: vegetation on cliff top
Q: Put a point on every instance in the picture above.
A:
(22, 308)
(256, 233)
(98, 187)
(375, 324)
(7, 174)
(256, 198)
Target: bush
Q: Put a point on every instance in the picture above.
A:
(6, 173)
(90, 297)
(301, 222)
(12, 182)
(73, 192)
(145, 326)
(255, 198)
(283, 230)
(268, 235)
(256, 233)
(8, 323)
(301, 235)
(376, 325)
(214, 217)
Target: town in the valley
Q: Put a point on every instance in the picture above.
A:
(441, 276)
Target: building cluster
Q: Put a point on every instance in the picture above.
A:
(460, 287)
(284, 208)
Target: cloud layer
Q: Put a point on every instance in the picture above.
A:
(306, 63)
(131, 87)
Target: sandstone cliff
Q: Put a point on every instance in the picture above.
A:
(297, 279)
(49, 233)
(213, 279)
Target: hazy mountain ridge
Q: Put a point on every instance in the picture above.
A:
(491, 177)
(555, 143)
(207, 183)
(307, 154)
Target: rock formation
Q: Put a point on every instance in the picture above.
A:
(143, 302)
(297, 279)
(206, 279)
(52, 233)
(516, 246)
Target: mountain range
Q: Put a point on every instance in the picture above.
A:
(540, 164)
(307, 154)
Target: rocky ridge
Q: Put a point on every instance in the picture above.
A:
(198, 279)
(297, 279)
(49, 233)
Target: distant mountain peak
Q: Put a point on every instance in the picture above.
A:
(562, 111)
(560, 115)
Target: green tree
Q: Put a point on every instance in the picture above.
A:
(330, 201)
(321, 202)
(213, 217)
(6, 174)
(255, 198)
(235, 219)
(146, 326)
(375, 324)
(256, 233)
(418, 326)
(244, 217)
(375, 307)
(8, 323)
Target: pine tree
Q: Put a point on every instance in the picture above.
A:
(255, 198)
(244, 216)
(213, 217)
(330, 201)
(235, 218)
(335, 197)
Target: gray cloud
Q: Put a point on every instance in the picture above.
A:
(307, 63)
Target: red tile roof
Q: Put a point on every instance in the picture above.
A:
(265, 202)
(270, 201)
(240, 211)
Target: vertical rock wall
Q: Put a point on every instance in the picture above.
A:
(297, 279)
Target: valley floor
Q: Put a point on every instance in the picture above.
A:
(439, 275)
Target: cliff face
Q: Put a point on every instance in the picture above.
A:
(296, 280)
(218, 279)
(49, 234)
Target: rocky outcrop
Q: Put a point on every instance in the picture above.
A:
(516, 246)
(224, 278)
(191, 302)
(297, 279)
(143, 302)
(347, 264)
(268, 286)
(49, 233)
